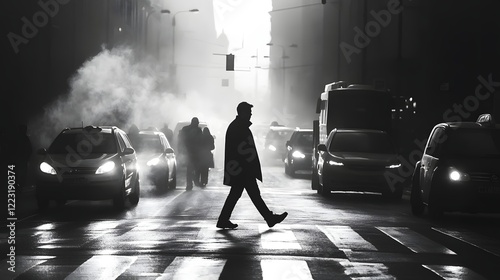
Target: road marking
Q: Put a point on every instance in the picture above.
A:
(279, 238)
(285, 269)
(102, 267)
(415, 241)
(165, 204)
(482, 242)
(357, 270)
(193, 268)
(345, 238)
(452, 272)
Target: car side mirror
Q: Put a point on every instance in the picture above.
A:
(322, 147)
(169, 151)
(128, 151)
(287, 143)
(41, 152)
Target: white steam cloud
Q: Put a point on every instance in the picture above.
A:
(117, 88)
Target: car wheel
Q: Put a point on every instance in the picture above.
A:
(120, 198)
(323, 191)
(315, 179)
(417, 205)
(173, 183)
(164, 185)
(43, 203)
(434, 207)
(135, 194)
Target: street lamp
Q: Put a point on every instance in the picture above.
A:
(283, 57)
(173, 32)
(163, 11)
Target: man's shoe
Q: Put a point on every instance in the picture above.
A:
(226, 224)
(276, 219)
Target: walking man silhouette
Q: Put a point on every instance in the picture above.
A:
(242, 169)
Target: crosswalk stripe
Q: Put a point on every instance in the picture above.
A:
(414, 241)
(370, 271)
(345, 238)
(285, 269)
(193, 268)
(279, 238)
(452, 272)
(102, 267)
(482, 242)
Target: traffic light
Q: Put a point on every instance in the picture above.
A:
(230, 62)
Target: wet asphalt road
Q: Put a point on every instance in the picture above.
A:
(172, 235)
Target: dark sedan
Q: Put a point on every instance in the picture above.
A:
(459, 170)
(156, 158)
(299, 151)
(359, 160)
(89, 163)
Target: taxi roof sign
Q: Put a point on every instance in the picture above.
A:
(486, 119)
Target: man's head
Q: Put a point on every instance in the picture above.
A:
(195, 121)
(244, 110)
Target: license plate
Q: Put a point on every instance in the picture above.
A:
(75, 180)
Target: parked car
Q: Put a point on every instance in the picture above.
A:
(156, 158)
(299, 148)
(359, 160)
(459, 169)
(276, 138)
(88, 163)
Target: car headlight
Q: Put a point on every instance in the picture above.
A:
(47, 168)
(398, 165)
(455, 175)
(332, 162)
(153, 162)
(298, 154)
(105, 168)
(272, 148)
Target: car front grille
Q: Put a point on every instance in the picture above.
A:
(79, 170)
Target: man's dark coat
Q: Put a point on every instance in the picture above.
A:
(241, 161)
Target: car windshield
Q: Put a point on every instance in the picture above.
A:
(305, 139)
(473, 142)
(278, 135)
(148, 144)
(83, 143)
(361, 142)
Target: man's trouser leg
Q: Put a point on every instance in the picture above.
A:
(254, 194)
(232, 198)
(189, 173)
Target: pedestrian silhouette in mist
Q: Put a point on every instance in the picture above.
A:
(191, 138)
(242, 169)
(168, 133)
(206, 156)
(133, 135)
